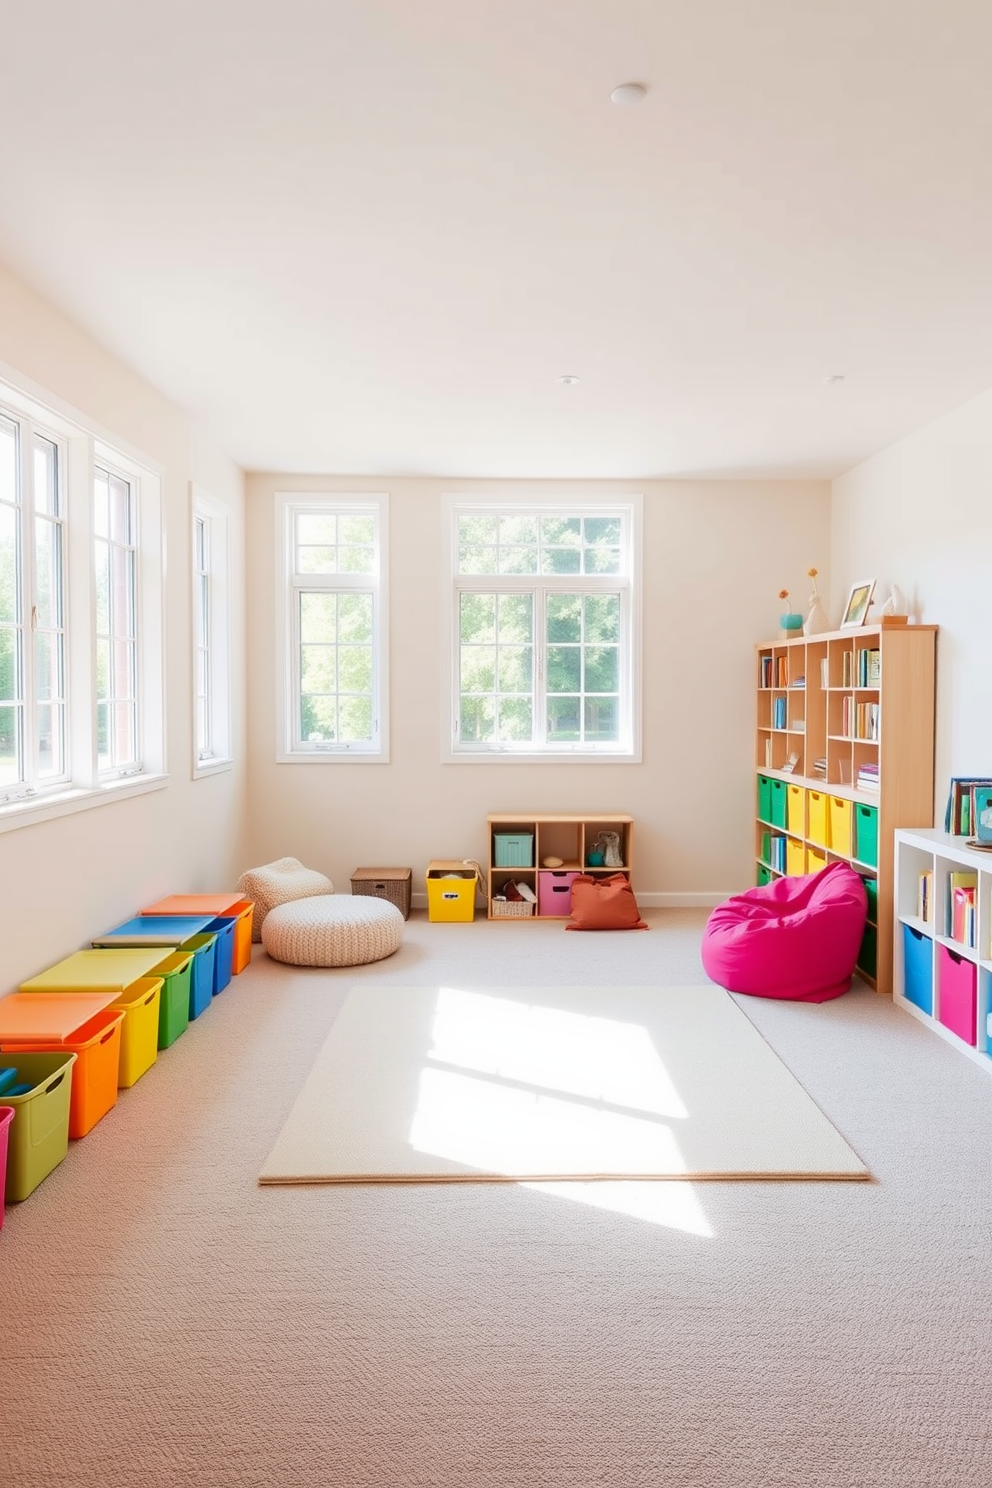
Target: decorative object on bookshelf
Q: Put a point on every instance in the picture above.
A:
(790, 624)
(791, 762)
(894, 611)
(981, 816)
(858, 601)
(962, 807)
(817, 619)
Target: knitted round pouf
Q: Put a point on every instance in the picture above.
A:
(332, 930)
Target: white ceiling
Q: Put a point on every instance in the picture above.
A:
(367, 235)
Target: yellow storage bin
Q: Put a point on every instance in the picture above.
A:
(815, 860)
(797, 810)
(795, 858)
(139, 1035)
(450, 890)
(841, 819)
(819, 818)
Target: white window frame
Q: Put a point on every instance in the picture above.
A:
(217, 518)
(83, 445)
(628, 750)
(289, 585)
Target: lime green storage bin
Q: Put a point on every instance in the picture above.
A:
(764, 798)
(38, 1137)
(871, 889)
(176, 971)
(866, 834)
(868, 954)
(763, 876)
(779, 803)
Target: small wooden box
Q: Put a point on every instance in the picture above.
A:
(393, 884)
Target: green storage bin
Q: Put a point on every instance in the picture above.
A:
(766, 847)
(871, 889)
(868, 954)
(779, 799)
(763, 876)
(176, 971)
(764, 798)
(866, 834)
(38, 1136)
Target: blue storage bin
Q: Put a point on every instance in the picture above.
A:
(223, 952)
(918, 968)
(513, 849)
(201, 988)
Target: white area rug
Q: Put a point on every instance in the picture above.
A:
(440, 1084)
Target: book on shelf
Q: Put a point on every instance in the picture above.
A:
(791, 762)
(778, 712)
(981, 813)
(766, 671)
(867, 777)
(824, 673)
(869, 667)
(798, 682)
(962, 888)
(820, 769)
(781, 671)
(847, 679)
(924, 898)
(959, 816)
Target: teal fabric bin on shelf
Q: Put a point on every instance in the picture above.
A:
(513, 849)
(866, 834)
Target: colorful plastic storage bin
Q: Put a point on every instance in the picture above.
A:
(956, 987)
(84, 1025)
(223, 931)
(841, 826)
(450, 891)
(866, 834)
(201, 987)
(139, 1031)
(181, 932)
(917, 955)
(176, 971)
(38, 1137)
(796, 807)
(226, 906)
(815, 860)
(795, 858)
(819, 818)
(554, 891)
(6, 1117)
(96, 971)
(513, 849)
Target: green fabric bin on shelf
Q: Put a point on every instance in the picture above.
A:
(871, 889)
(866, 834)
(763, 876)
(764, 798)
(38, 1136)
(868, 954)
(779, 798)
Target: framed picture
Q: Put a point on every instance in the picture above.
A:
(856, 609)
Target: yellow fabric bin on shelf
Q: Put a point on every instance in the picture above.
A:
(819, 818)
(450, 890)
(797, 810)
(841, 819)
(795, 858)
(815, 860)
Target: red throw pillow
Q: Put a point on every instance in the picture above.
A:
(604, 904)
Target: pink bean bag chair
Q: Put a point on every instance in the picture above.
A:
(795, 938)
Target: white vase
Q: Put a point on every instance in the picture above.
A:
(817, 621)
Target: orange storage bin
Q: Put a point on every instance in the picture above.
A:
(819, 818)
(52, 1022)
(841, 826)
(221, 907)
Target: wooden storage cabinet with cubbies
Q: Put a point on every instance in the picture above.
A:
(943, 938)
(844, 756)
(518, 845)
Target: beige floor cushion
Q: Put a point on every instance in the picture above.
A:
(279, 883)
(333, 930)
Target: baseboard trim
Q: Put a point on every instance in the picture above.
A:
(646, 901)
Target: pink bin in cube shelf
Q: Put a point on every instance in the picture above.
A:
(6, 1117)
(554, 891)
(956, 1007)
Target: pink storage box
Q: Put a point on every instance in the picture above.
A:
(554, 891)
(956, 994)
(6, 1117)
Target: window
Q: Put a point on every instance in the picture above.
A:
(211, 636)
(544, 631)
(81, 676)
(331, 555)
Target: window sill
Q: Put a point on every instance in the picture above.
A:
(330, 757)
(543, 757)
(75, 798)
(203, 768)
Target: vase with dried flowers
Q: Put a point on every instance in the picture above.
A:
(817, 619)
(790, 624)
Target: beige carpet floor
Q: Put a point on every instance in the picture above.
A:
(167, 1323)
(503, 1084)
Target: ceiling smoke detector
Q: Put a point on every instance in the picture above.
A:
(569, 380)
(628, 93)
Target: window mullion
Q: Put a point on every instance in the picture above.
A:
(540, 668)
(29, 608)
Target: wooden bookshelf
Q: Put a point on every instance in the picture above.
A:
(552, 834)
(837, 713)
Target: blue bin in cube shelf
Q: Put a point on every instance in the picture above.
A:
(513, 849)
(181, 933)
(917, 957)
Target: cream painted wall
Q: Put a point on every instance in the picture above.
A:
(65, 880)
(920, 515)
(715, 556)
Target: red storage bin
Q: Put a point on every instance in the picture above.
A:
(956, 986)
(554, 891)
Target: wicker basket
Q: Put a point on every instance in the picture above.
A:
(391, 884)
(506, 909)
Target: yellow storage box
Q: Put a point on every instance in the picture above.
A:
(841, 822)
(797, 810)
(795, 858)
(450, 890)
(819, 818)
(815, 860)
